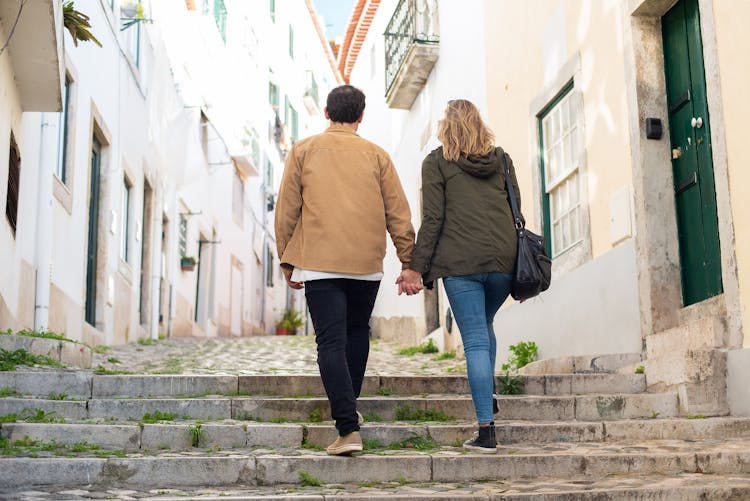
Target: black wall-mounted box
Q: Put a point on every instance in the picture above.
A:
(654, 129)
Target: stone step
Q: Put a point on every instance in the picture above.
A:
(683, 487)
(84, 385)
(235, 434)
(583, 408)
(448, 465)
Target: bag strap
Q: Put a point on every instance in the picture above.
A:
(512, 195)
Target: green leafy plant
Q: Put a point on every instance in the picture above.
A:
(385, 392)
(522, 354)
(510, 385)
(78, 25)
(9, 418)
(196, 434)
(113, 360)
(101, 348)
(426, 348)
(103, 371)
(308, 480)
(291, 320)
(373, 417)
(157, 416)
(371, 443)
(315, 416)
(7, 391)
(640, 369)
(406, 413)
(9, 360)
(418, 443)
(447, 355)
(57, 396)
(147, 341)
(40, 416)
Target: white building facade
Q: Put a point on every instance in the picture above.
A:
(146, 187)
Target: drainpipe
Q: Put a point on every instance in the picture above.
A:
(157, 226)
(43, 236)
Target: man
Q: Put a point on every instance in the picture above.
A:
(338, 197)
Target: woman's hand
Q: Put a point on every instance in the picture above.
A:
(409, 282)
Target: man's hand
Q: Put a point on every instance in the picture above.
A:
(409, 282)
(295, 285)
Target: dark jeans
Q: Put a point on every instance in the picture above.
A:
(340, 310)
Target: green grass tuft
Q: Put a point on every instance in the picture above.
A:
(448, 355)
(9, 360)
(7, 391)
(417, 443)
(157, 416)
(103, 371)
(406, 413)
(147, 341)
(315, 416)
(308, 480)
(426, 348)
(640, 369)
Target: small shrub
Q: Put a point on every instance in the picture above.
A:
(417, 443)
(157, 416)
(308, 480)
(640, 369)
(9, 360)
(40, 416)
(406, 413)
(510, 385)
(196, 434)
(315, 416)
(522, 354)
(428, 347)
(385, 392)
(448, 355)
(7, 391)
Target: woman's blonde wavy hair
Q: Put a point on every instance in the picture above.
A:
(462, 131)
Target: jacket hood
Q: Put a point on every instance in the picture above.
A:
(481, 166)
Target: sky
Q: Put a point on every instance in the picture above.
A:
(335, 14)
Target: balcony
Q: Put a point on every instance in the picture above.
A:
(35, 51)
(412, 46)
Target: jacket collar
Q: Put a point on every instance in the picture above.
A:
(341, 128)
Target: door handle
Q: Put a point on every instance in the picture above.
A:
(696, 123)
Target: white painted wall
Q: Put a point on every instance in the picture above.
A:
(738, 375)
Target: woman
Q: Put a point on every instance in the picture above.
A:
(468, 239)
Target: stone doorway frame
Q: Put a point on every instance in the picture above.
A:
(713, 325)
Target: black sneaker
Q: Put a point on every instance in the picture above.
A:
(483, 441)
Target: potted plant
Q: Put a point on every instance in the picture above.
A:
(291, 320)
(187, 263)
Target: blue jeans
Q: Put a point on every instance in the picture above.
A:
(474, 300)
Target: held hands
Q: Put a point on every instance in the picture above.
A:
(409, 282)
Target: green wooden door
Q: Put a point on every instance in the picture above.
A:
(93, 237)
(695, 194)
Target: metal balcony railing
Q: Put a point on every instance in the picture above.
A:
(413, 22)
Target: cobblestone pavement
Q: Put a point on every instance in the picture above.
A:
(260, 355)
(479, 490)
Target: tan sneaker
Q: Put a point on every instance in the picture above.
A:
(343, 446)
(360, 418)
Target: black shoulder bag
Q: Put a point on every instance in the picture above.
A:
(533, 271)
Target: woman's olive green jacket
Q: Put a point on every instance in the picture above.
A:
(467, 224)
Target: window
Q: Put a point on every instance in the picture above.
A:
(269, 267)
(273, 10)
(183, 235)
(291, 42)
(238, 198)
(14, 178)
(133, 43)
(269, 173)
(127, 191)
(62, 129)
(294, 123)
(220, 16)
(559, 132)
(273, 95)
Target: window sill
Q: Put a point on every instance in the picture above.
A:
(62, 193)
(571, 258)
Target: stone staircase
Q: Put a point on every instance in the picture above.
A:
(570, 436)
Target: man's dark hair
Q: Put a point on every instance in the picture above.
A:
(345, 104)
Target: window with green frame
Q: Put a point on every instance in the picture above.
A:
(561, 152)
(291, 42)
(63, 129)
(273, 95)
(220, 16)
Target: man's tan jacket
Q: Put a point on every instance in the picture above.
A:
(339, 195)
